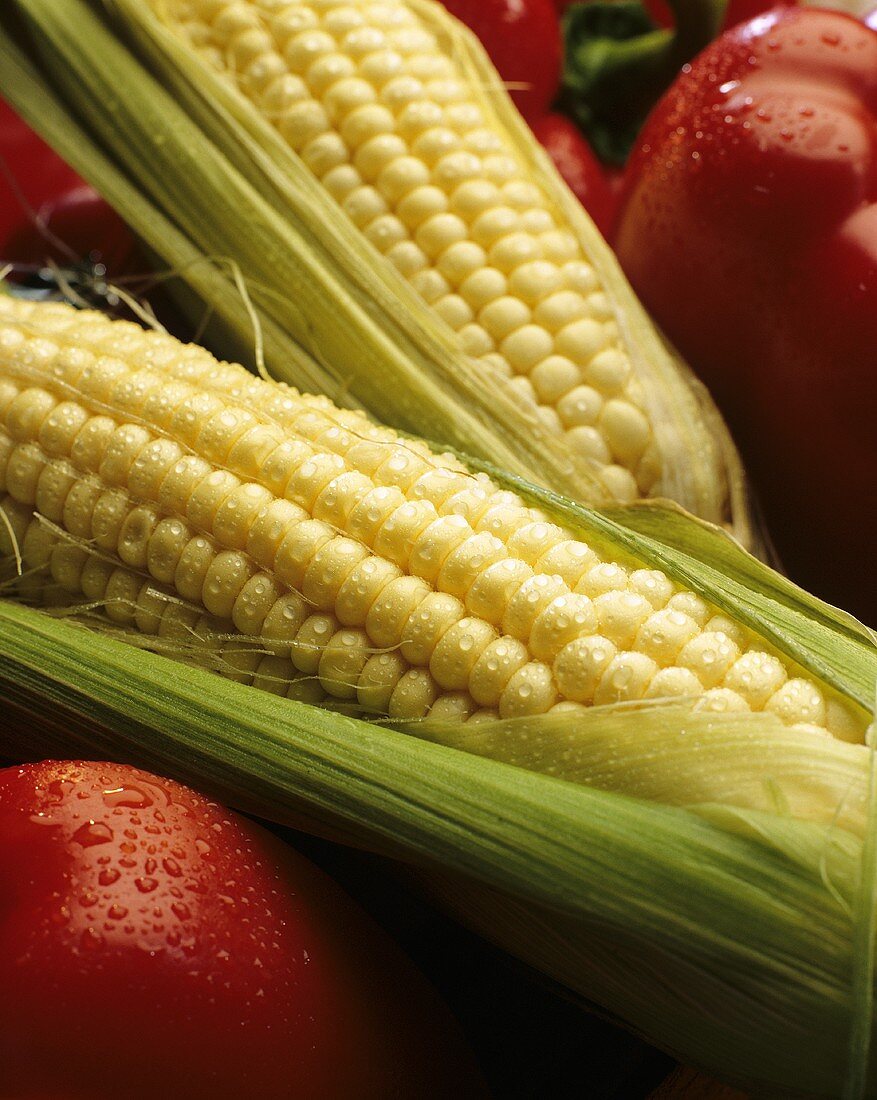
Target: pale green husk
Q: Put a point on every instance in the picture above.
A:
(340, 320)
(724, 934)
(708, 880)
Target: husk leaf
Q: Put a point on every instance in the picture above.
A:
(706, 879)
(725, 935)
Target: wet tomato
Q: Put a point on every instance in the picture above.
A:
(154, 944)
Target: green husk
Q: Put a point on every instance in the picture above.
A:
(209, 166)
(708, 880)
(726, 935)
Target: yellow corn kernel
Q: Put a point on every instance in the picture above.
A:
(396, 136)
(386, 575)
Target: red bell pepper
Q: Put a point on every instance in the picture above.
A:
(30, 173)
(522, 38)
(749, 228)
(595, 185)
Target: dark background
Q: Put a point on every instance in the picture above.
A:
(529, 1039)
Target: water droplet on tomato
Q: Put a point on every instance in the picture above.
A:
(108, 876)
(91, 833)
(61, 915)
(133, 797)
(58, 789)
(91, 939)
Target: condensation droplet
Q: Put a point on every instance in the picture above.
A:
(133, 797)
(92, 833)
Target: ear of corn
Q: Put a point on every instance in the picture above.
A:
(148, 486)
(619, 416)
(363, 558)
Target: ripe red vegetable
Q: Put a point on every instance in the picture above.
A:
(573, 157)
(47, 210)
(749, 229)
(153, 944)
(75, 226)
(523, 40)
(28, 169)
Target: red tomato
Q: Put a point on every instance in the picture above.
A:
(76, 225)
(523, 40)
(740, 11)
(47, 211)
(749, 229)
(153, 944)
(575, 160)
(29, 171)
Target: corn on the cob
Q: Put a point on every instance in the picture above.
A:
(65, 577)
(393, 575)
(381, 114)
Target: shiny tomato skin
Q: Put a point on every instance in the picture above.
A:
(573, 157)
(76, 225)
(748, 226)
(523, 40)
(48, 212)
(30, 171)
(155, 944)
